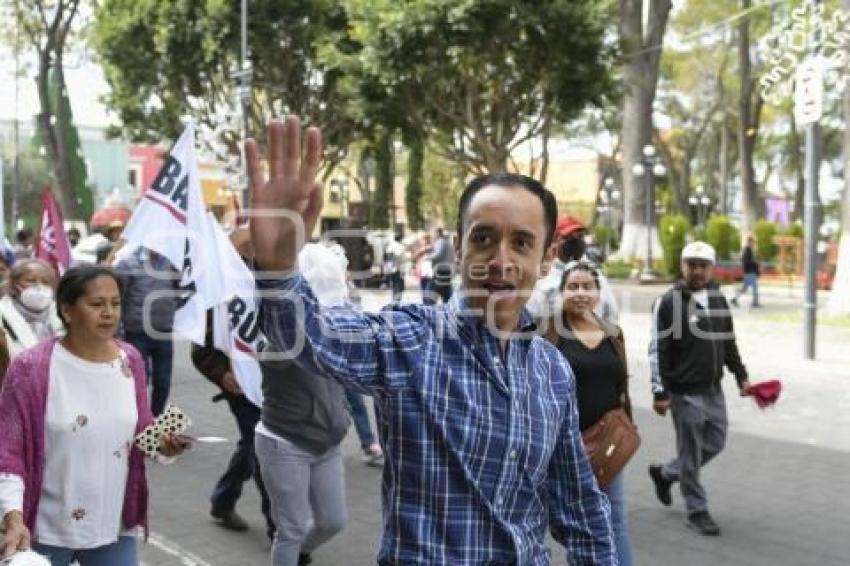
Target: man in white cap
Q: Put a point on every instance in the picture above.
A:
(692, 339)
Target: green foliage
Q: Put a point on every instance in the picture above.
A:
(442, 183)
(606, 235)
(674, 230)
(618, 269)
(164, 59)
(794, 229)
(471, 73)
(725, 237)
(381, 201)
(413, 191)
(34, 174)
(764, 232)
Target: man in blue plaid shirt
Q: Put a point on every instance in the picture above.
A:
(477, 414)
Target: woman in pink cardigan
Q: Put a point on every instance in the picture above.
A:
(72, 481)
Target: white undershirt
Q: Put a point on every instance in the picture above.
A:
(89, 424)
(701, 297)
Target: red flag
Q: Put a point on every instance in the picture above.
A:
(51, 242)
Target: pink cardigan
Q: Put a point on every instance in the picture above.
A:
(23, 403)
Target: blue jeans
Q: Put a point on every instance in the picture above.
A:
(243, 464)
(751, 280)
(159, 357)
(120, 553)
(360, 416)
(617, 496)
(425, 284)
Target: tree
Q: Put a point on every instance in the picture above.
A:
(750, 104)
(642, 53)
(840, 297)
(471, 74)
(165, 59)
(33, 175)
(49, 27)
(413, 190)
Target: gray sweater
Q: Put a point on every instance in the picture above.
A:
(306, 409)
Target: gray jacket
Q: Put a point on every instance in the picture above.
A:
(306, 409)
(139, 283)
(443, 258)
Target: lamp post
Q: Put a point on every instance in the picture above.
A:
(242, 76)
(608, 197)
(702, 204)
(648, 167)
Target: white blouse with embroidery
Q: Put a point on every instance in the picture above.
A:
(89, 427)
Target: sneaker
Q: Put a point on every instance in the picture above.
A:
(230, 520)
(734, 301)
(373, 455)
(703, 524)
(662, 485)
(304, 558)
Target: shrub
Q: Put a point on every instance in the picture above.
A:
(723, 236)
(764, 232)
(794, 229)
(605, 234)
(618, 269)
(674, 230)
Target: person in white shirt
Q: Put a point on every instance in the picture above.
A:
(68, 407)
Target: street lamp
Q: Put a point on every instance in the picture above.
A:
(648, 167)
(702, 204)
(608, 197)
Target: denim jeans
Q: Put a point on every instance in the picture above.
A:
(120, 553)
(751, 281)
(159, 357)
(243, 464)
(619, 522)
(301, 484)
(360, 416)
(425, 284)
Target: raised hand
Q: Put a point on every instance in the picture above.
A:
(286, 205)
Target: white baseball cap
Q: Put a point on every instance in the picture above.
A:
(699, 250)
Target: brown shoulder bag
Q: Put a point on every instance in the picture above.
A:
(610, 443)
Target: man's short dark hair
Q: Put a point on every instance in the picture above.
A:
(509, 180)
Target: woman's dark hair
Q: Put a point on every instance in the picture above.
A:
(585, 266)
(73, 284)
(511, 180)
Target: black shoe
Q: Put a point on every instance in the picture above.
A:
(230, 520)
(662, 485)
(304, 559)
(703, 524)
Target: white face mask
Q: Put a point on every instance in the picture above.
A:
(37, 297)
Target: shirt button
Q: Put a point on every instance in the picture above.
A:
(500, 500)
(513, 454)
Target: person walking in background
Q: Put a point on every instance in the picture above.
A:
(424, 269)
(597, 354)
(145, 272)
(215, 366)
(752, 270)
(692, 339)
(372, 453)
(393, 264)
(70, 473)
(23, 243)
(443, 265)
(28, 310)
(569, 246)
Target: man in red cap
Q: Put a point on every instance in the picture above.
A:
(569, 246)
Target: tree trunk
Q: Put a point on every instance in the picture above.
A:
(839, 302)
(747, 125)
(382, 200)
(640, 74)
(544, 154)
(413, 191)
(724, 166)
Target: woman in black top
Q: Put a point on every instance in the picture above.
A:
(596, 352)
